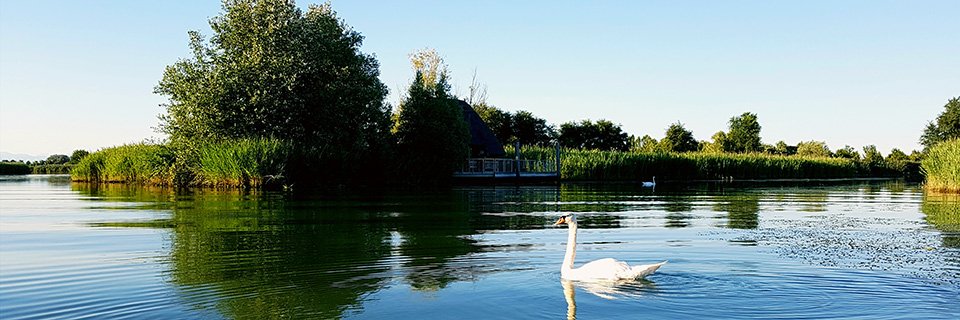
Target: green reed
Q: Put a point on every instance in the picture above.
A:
(243, 162)
(131, 163)
(942, 167)
(631, 166)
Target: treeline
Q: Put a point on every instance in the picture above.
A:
(54, 164)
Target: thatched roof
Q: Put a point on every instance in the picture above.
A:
(482, 141)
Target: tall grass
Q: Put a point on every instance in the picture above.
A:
(244, 162)
(942, 167)
(132, 163)
(631, 166)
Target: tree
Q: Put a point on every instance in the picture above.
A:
(499, 121)
(678, 139)
(744, 134)
(813, 149)
(78, 155)
(271, 70)
(785, 150)
(432, 138)
(720, 143)
(531, 130)
(58, 159)
(602, 135)
(945, 127)
(872, 157)
(645, 144)
(847, 153)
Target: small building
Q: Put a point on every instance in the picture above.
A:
(488, 161)
(483, 144)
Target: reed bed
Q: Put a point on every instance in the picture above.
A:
(941, 167)
(243, 163)
(132, 163)
(596, 165)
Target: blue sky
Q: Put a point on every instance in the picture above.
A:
(80, 75)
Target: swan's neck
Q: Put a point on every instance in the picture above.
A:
(571, 247)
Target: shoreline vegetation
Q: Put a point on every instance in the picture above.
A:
(941, 167)
(280, 96)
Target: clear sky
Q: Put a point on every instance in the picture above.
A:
(80, 74)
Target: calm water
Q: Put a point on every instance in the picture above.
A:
(874, 250)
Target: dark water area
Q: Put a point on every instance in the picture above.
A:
(877, 250)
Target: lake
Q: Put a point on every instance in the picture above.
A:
(871, 250)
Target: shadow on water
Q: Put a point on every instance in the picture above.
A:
(250, 254)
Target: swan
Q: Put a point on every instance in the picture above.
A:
(650, 184)
(603, 269)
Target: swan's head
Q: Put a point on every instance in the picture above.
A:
(567, 218)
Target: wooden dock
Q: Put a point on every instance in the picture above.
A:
(486, 170)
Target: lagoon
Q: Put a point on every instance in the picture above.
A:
(877, 250)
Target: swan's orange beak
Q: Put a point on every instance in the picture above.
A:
(561, 221)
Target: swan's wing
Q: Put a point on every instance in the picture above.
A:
(641, 271)
(599, 269)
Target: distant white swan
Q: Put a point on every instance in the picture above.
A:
(650, 184)
(603, 269)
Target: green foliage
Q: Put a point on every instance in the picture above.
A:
(521, 125)
(58, 159)
(645, 144)
(608, 165)
(77, 155)
(785, 150)
(587, 135)
(744, 134)
(946, 127)
(678, 139)
(847, 152)
(531, 130)
(63, 168)
(132, 163)
(942, 167)
(500, 122)
(813, 149)
(432, 138)
(244, 163)
(8, 167)
(271, 70)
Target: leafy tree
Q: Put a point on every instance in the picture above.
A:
(744, 134)
(946, 126)
(499, 121)
(848, 153)
(272, 70)
(872, 157)
(77, 155)
(783, 149)
(602, 135)
(813, 149)
(896, 155)
(432, 136)
(916, 155)
(720, 143)
(645, 144)
(58, 159)
(678, 139)
(531, 130)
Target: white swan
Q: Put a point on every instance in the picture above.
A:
(603, 269)
(650, 184)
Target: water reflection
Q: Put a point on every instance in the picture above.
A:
(249, 254)
(610, 290)
(943, 212)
